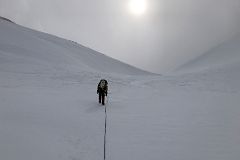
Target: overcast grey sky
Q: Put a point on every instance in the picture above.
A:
(168, 34)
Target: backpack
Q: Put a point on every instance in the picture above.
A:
(103, 84)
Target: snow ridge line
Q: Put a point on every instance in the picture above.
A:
(105, 133)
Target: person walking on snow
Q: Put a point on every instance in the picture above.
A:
(102, 90)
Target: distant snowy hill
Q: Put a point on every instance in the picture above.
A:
(26, 50)
(226, 54)
(218, 69)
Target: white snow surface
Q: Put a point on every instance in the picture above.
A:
(224, 55)
(49, 108)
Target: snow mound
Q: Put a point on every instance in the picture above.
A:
(224, 55)
(29, 51)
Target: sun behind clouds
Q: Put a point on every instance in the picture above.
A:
(137, 7)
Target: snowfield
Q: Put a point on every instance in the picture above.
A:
(49, 109)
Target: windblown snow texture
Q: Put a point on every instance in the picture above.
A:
(49, 108)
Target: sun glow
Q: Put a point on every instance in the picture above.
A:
(137, 7)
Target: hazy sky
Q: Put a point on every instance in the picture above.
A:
(167, 34)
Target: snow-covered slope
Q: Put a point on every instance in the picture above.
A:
(5, 19)
(48, 106)
(224, 55)
(49, 109)
(217, 69)
(25, 50)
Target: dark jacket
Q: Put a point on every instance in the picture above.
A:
(103, 89)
